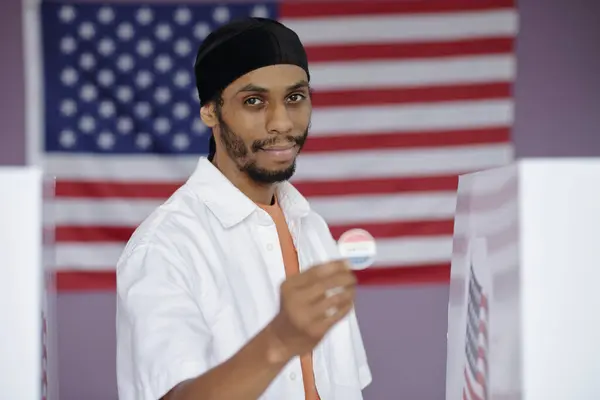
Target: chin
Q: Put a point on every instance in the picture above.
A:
(271, 175)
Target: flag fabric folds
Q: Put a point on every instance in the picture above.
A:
(408, 95)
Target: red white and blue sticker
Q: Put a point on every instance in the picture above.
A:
(358, 247)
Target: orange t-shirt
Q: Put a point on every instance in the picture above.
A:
(290, 260)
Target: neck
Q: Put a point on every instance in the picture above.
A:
(258, 193)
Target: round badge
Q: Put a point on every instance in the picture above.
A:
(358, 247)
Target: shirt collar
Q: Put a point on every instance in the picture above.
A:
(230, 205)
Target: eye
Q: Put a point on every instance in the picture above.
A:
(296, 97)
(253, 101)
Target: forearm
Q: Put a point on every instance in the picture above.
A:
(245, 376)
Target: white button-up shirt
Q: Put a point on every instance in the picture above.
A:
(201, 276)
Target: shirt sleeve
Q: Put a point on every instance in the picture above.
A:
(162, 336)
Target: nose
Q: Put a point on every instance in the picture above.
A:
(278, 120)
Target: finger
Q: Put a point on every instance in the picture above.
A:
(320, 272)
(324, 308)
(329, 319)
(328, 287)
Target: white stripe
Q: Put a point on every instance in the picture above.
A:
(390, 252)
(316, 166)
(396, 163)
(412, 117)
(335, 210)
(404, 28)
(407, 251)
(408, 73)
(411, 251)
(385, 208)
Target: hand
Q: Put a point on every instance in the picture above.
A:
(311, 303)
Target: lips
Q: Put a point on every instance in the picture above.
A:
(279, 148)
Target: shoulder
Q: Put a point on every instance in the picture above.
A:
(168, 236)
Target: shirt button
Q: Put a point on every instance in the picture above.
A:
(293, 376)
(269, 247)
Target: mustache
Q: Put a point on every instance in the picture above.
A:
(296, 140)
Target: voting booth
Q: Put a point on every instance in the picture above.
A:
(524, 306)
(28, 369)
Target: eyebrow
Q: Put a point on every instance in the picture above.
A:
(258, 89)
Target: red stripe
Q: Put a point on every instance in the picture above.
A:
(350, 187)
(400, 140)
(386, 230)
(426, 274)
(472, 393)
(403, 51)
(317, 8)
(121, 234)
(429, 94)
(160, 191)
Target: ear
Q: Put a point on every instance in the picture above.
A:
(209, 115)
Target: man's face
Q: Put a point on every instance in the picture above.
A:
(263, 121)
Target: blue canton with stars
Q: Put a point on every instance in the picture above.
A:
(119, 79)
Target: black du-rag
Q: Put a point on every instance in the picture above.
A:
(240, 47)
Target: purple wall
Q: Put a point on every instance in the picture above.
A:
(12, 85)
(557, 95)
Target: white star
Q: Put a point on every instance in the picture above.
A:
(142, 109)
(201, 30)
(88, 92)
(162, 95)
(124, 125)
(260, 12)
(67, 14)
(163, 32)
(67, 138)
(125, 31)
(182, 15)
(124, 93)
(106, 140)
(144, 16)
(125, 62)
(144, 47)
(106, 47)
(87, 124)
(181, 141)
(87, 61)
(106, 77)
(143, 140)
(183, 47)
(106, 15)
(69, 76)
(181, 78)
(68, 45)
(68, 107)
(143, 79)
(106, 109)
(198, 126)
(163, 63)
(221, 14)
(162, 125)
(181, 110)
(87, 30)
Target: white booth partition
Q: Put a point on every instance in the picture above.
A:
(28, 359)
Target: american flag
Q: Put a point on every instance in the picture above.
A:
(476, 346)
(408, 95)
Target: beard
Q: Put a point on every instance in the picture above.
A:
(238, 151)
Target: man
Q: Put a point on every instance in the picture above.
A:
(231, 289)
